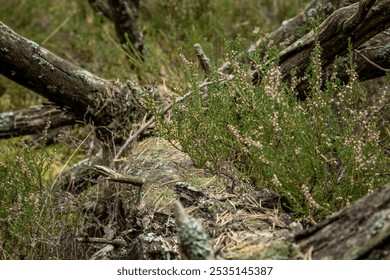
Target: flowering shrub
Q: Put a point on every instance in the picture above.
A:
(319, 154)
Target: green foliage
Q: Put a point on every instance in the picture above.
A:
(30, 227)
(25, 202)
(320, 154)
(173, 27)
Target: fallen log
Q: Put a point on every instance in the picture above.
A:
(356, 232)
(358, 22)
(33, 120)
(92, 99)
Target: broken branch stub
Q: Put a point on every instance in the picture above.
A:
(194, 241)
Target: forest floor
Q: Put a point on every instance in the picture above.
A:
(245, 224)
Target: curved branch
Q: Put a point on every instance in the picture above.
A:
(372, 60)
(294, 28)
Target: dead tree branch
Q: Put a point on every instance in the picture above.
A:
(372, 60)
(89, 97)
(294, 28)
(102, 6)
(36, 68)
(114, 176)
(125, 20)
(124, 15)
(353, 232)
(359, 22)
(203, 59)
(34, 120)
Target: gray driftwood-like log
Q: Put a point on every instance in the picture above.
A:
(372, 59)
(33, 120)
(294, 28)
(354, 232)
(36, 68)
(358, 22)
(91, 98)
(346, 19)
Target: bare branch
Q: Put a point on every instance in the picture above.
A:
(372, 62)
(103, 7)
(99, 240)
(359, 16)
(370, 59)
(134, 136)
(36, 68)
(125, 15)
(361, 227)
(293, 29)
(34, 120)
(112, 175)
(89, 97)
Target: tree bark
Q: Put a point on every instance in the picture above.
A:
(125, 20)
(359, 22)
(352, 233)
(124, 15)
(91, 98)
(60, 81)
(372, 60)
(296, 27)
(34, 120)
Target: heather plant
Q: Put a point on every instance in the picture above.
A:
(23, 201)
(319, 154)
(30, 225)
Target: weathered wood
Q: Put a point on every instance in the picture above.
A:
(353, 232)
(125, 20)
(292, 29)
(371, 60)
(34, 120)
(102, 6)
(111, 107)
(296, 27)
(36, 68)
(359, 22)
(299, 43)
(60, 81)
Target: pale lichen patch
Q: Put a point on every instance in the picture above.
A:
(6, 119)
(42, 61)
(89, 78)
